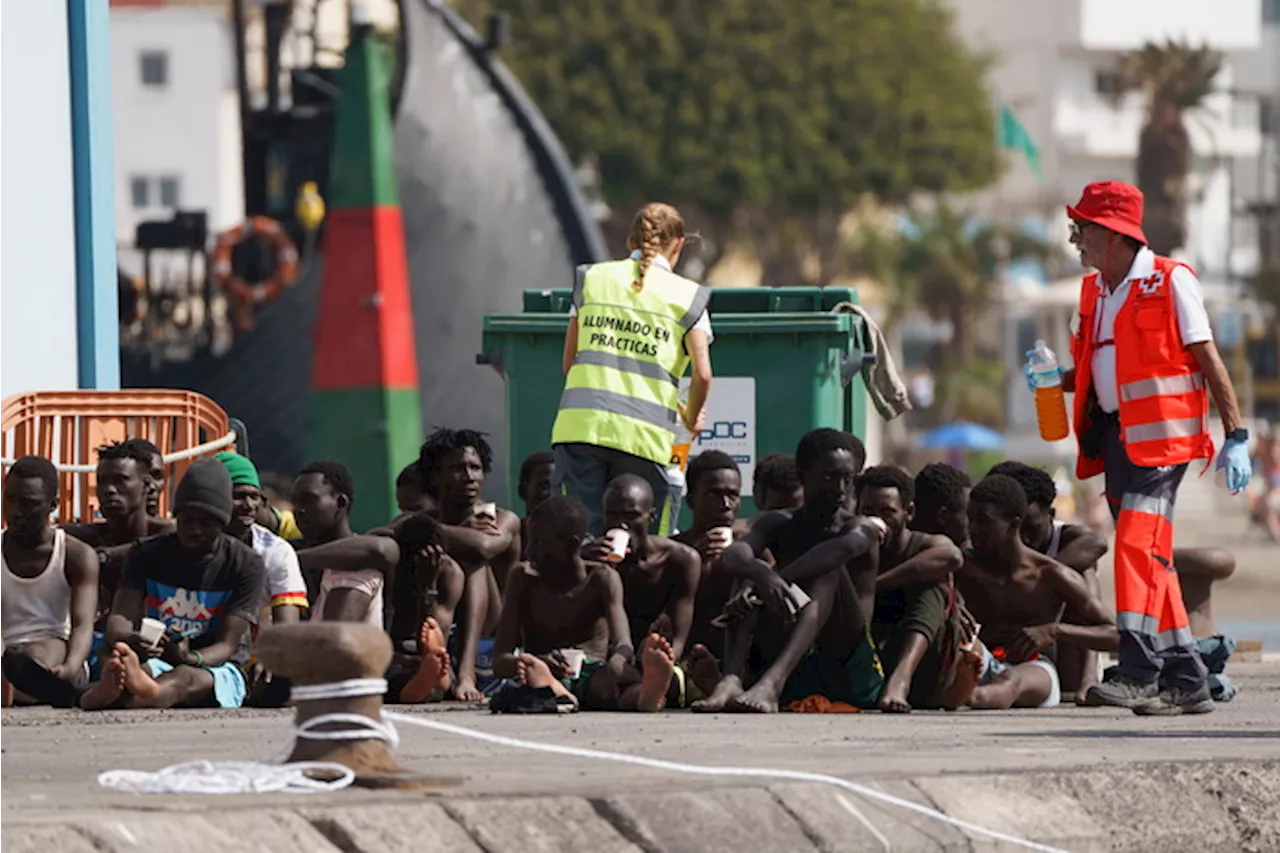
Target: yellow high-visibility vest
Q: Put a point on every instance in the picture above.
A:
(623, 389)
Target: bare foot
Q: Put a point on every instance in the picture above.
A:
(762, 698)
(729, 689)
(893, 699)
(968, 673)
(1082, 696)
(704, 669)
(466, 691)
(7, 693)
(433, 670)
(108, 690)
(534, 672)
(657, 665)
(136, 678)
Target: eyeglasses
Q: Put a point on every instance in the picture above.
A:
(1077, 228)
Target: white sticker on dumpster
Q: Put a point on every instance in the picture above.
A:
(731, 422)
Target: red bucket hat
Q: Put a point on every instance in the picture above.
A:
(1114, 205)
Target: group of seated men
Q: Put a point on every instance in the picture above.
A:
(850, 588)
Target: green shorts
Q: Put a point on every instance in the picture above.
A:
(578, 686)
(857, 680)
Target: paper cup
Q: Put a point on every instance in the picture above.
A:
(488, 510)
(151, 630)
(573, 658)
(618, 540)
(721, 536)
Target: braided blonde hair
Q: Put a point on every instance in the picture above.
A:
(654, 231)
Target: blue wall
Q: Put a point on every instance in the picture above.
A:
(97, 313)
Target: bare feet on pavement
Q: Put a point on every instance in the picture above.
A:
(729, 689)
(433, 670)
(137, 680)
(465, 690)
(534, 672)
(657, 665)
(762, 698)
(109, 688)
(968, 673)
(893, 699)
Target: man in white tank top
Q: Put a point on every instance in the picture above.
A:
(49, 594)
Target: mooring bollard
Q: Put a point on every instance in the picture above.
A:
(312, 654)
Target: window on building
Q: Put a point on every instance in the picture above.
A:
(139, 191)
(154, 68)
(170, 191)
(1106, 82)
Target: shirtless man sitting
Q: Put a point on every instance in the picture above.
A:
(715, 497)
(1026, 603)
(821, 647)
(484, 540)
(50, 591)
(659, 575)
(353, 569)
(776, 485)
(914, 595)
(1075, 546)
(428, 587)
(558, 601)
(942, 502)
(123, 486)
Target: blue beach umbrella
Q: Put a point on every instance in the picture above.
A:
(962, 435)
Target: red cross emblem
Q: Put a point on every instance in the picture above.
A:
(1151, 285)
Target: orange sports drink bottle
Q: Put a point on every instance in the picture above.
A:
(1051, 403)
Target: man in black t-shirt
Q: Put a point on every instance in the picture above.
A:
(206, 587)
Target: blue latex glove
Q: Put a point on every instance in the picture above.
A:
(1235, 459)
(1026, 370)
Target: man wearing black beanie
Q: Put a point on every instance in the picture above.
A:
(204, 587)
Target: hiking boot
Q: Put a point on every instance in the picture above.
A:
(1121, 692)
(1176, 700)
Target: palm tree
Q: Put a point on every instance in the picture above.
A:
(947, 264)
(1175, 78)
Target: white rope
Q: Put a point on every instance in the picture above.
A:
(700, 770)
(231, 777)
(339, 689)
(204, 777)
(169, 458)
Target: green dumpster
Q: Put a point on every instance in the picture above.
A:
(784, 364)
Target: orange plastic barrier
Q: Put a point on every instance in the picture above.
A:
(69, 426)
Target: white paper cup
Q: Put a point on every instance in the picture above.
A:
(573, 658)
(618, 540)
(721, 536)
(151, 630)
(489, 510)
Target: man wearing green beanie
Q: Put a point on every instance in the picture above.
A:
(285, 585)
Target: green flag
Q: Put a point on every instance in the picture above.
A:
(1012, 136)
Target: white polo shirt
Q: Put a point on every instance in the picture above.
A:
(1193, 321)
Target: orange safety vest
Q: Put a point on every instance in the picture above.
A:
(1164, 406)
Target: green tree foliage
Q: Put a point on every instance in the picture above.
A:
(946, 263)
(1175, 78)
(754, 113)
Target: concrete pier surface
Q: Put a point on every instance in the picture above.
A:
(1071, 778)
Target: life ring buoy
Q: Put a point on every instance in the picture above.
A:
(246, 296)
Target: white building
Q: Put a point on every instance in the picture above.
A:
(1054, 64)
(177, 121)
